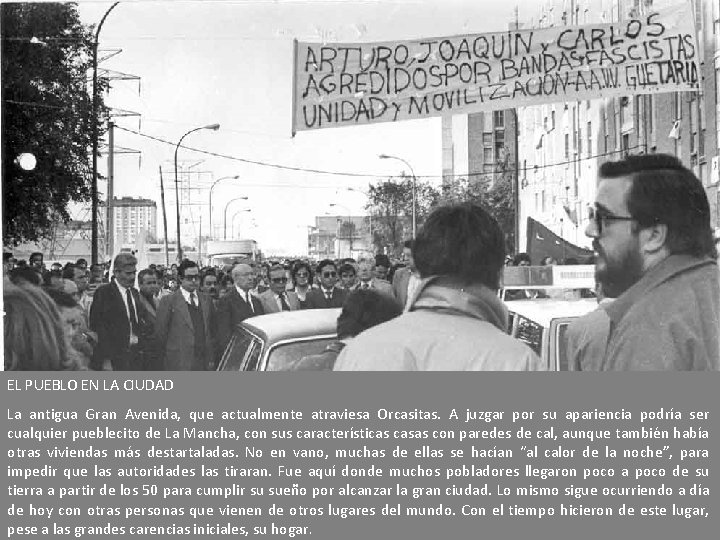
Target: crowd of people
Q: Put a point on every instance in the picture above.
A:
(114, 317)
(439, 309)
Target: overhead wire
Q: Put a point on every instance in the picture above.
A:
(369, 175)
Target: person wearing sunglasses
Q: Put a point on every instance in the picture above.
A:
(184, 329)
(277, 297)
(302, 277)
(650, 229)
(327, 295)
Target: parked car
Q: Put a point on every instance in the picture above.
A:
(277, 341)
(543, 323)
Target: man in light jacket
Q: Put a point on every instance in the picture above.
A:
(455, 322)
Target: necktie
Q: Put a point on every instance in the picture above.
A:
(283, 303)
(366, 285)
(131, 309)
(193, 302)
(328, 295)
(249, 301)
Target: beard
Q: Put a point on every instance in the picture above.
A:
(616, 274)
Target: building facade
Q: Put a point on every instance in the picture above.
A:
(561, 145)
(131, 216)
(336, 237)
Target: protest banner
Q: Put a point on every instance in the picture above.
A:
(342, 84)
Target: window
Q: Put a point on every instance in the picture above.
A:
(487, 154)
(552, 120)
(487, 138)
(589, 139)
(499, 119)
(567, 146)
(285, 357)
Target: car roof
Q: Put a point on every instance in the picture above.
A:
(544, 310)
(294, 324)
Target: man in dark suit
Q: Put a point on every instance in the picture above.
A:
(328, 295)
(185, 323)
(277, 298)
(119, 319)
(237, 304)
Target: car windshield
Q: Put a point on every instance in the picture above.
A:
(285, 357)
(242, 352)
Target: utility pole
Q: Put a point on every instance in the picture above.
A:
(165, 233)
(110, 217)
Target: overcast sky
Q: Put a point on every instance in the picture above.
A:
(230, 62)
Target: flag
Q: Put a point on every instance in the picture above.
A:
(542, 242)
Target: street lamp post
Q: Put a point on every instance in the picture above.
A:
(94, 187)
(414, 182)
(226, 210)
(211, 190)
(350, 226)
(235, 215)
(213, 127)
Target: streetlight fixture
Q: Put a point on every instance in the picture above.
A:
(236, 214)
(211, 190)
(414, 181)
(350, 227)
(226, 209)
(213, 127)
(94, 186)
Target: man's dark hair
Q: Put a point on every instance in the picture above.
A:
(205, 272)
(184, 265)
(61, 298)
(521, 257)
(382, 260)
(461, 241)
(363, 309)
(346, 267)
(35, 254)
(25, 273)
(81, 262)
(325, 262)
(68, 271)
(665, 191)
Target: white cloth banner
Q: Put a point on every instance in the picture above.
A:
(342, 84)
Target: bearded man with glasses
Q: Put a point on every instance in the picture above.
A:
(654, 251)
(327, 295)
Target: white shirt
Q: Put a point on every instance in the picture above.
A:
(186, 296)
(123, 295)
(245, 295)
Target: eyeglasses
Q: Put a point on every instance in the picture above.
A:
(279, 280)
(600, 216)
(191, 278)
(302, 274)
(329, 274)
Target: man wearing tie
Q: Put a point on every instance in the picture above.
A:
(277, 298)
(184, 325)
(117, 316)
(237, 304)
(368, 281)
(328, 295)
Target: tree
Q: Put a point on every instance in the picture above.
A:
(390, 205)
(46, 111)
(493, 192)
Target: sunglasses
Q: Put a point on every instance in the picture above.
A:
(191, 278)
(329, 274)
(302, 274)
(279, 280)
(601, 217)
